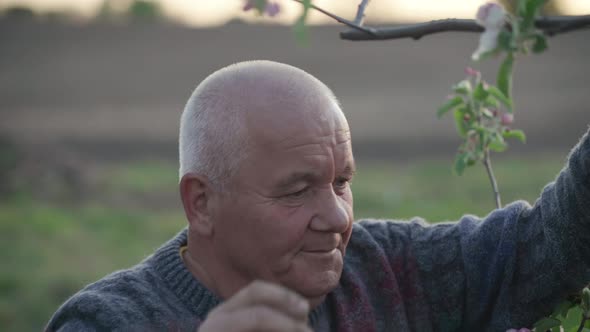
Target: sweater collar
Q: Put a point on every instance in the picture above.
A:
(168, 264)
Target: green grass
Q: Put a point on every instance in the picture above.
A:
(49, 250)
(430, 189)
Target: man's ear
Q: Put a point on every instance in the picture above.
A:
(196, 193)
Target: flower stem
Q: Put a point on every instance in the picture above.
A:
(488, 164)
(581, 327)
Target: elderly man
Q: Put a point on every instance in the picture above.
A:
(266, 165)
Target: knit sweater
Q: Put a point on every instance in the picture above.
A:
(478, 274)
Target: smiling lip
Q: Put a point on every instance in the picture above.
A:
(329, 251)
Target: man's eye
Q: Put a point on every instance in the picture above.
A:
(297, 194)
(341, 183)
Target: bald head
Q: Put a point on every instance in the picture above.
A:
(213, 131)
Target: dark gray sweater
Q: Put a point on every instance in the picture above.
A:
(505, 270)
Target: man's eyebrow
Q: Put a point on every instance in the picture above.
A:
(295, 178)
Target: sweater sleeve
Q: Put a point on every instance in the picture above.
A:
(489, 274)
(513, 266)
(76, 325)
(94, 311)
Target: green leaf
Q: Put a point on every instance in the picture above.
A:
(505, 41)
(260, 5)
(497, 143)
(531, 9)
(460, 163)
(540, 43)
(491, 102)
(460, 122)
(585, 299)
(522, 7)
(463, 87)
(480, 93)
(449, 105)
(300, 28)
(572, 322)
(504, 79)
(515, 133)
(301, 31)
(547, 323)
(481, 142)
(499, 95)
(562, 309)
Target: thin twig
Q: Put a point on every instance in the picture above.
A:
(360, 14)
(488, 164)
(364, 30)
(549, 25)
(581, 327)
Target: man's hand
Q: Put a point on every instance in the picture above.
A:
(261, 306)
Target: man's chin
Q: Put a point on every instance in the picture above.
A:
(314, 276)
(316, 301)
(316, 287)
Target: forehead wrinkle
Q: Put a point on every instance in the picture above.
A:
(345, 133)
(338, 136)
(318, 140)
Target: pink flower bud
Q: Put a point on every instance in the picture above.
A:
(249, 4)
(506, 119)
(272, 9)
(471, 72)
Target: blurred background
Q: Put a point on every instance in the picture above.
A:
(91, 93)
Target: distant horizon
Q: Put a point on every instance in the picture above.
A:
(203, 13)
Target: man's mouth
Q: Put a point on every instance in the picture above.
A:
(321, 251)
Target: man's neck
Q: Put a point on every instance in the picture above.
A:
(202, 262)
(198, 271)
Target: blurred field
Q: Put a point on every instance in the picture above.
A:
(116, 91)
(51, 247)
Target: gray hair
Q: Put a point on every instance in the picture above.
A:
(213, 140)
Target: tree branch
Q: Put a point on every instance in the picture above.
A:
(582, 323)
(360, 14)
(488, 164)
(549, 25)
(365, 31)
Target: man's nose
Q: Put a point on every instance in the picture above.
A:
(331, 213)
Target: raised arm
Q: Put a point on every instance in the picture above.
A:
(505, 270)
(515, 265)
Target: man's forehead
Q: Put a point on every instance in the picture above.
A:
(296, 175)
(285, 124)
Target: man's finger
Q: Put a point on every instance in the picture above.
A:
(271, 295)
(266, 319)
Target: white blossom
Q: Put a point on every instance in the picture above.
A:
(492, 17)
